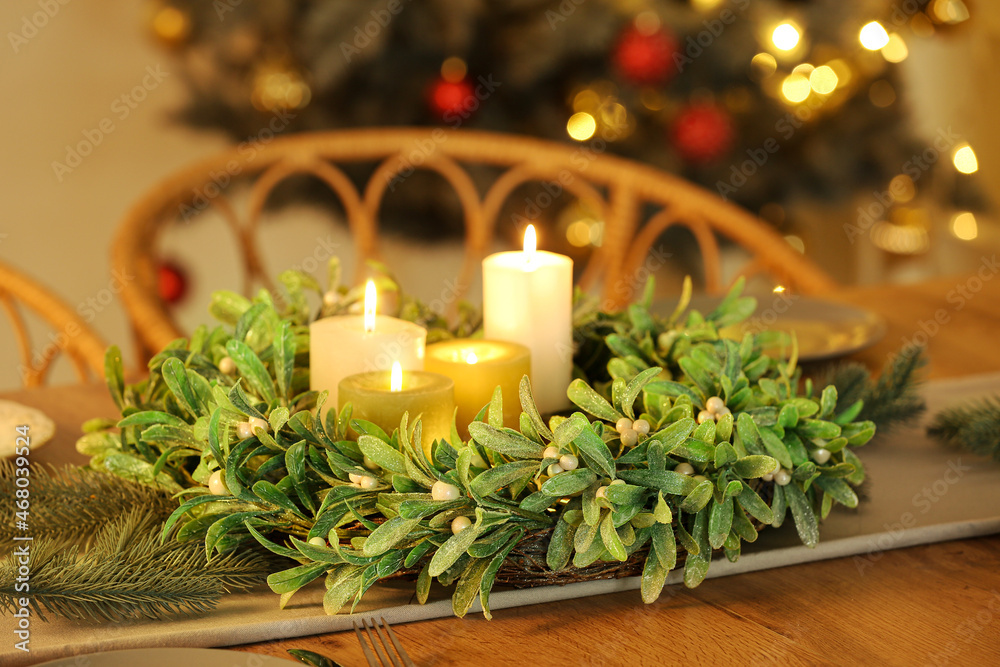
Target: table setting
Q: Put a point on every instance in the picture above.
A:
(481, 333)
(443, 383)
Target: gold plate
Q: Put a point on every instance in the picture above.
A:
(823, 329)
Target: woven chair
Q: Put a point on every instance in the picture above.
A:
(70, 335)
(618, 189)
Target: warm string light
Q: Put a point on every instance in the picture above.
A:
(530, 242)
(471, 358)
(396, 377)
(786, 36)
(581, 126)
(964, 226)
(873, 36)
(370, 297)
(965, 159)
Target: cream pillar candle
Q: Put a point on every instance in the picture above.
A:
(351, 344)
(382, 399)
(528, 299)
(477, 367)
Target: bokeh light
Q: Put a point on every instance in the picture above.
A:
(796, 87)
(873, 36)
(581, 126)
(881, 93)
(786, 36)
(763, 65)
(964, 226)
(454, 69)
(895, 50)
(823, 80)
(965, 159)
(949, 11)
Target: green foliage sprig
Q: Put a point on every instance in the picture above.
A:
(891, 400)
(69, 505)
(127, 574)
(974, 427)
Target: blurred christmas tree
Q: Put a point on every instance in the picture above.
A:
(762, 101)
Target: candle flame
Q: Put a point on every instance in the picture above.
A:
(370, 297)
(471, 358)
(396, 377)
(530, 242)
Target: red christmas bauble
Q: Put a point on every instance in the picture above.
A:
(448, 99)
(645, 57)
(173, 283)
(702, 133)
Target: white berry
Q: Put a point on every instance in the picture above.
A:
(684, 469)
(217, 484)
(460, 523)
(715, 405)
(821, 455)
(368, 483)
(354, 477)
(617, 482)
(368, 463)
(317, 541)
(602, 492)
(258, 423)
(444, 491)
(641, 426)
(622, 424)
(550, 453)
(554, 469)
(767, 477)
(705, 416)
(569, 462)
(782, 478)
(723, 412)
(227, 365)
(630, 437)
(244, 430)
(478, 460)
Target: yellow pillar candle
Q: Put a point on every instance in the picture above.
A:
(477, 368)
(351, 344)
(528, 299)
(382, 397)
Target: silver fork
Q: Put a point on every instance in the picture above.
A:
(386, 658)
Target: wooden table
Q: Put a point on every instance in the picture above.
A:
(935, 604)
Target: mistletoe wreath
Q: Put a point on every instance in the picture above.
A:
(684, 443)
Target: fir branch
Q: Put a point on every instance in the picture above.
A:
(974, 427)
(129, 574)
(71, 504)
(893, 399)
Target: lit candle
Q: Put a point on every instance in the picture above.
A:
(477, 368)
(382, 397)
(528, 299)
(351, 344)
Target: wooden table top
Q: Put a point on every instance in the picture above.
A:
(934, 604)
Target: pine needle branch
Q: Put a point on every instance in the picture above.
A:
(891, 400)
(129, 574)
(974, 427)
(71, 504)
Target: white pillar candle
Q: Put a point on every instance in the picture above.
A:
(351, 344)
(528, 299)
